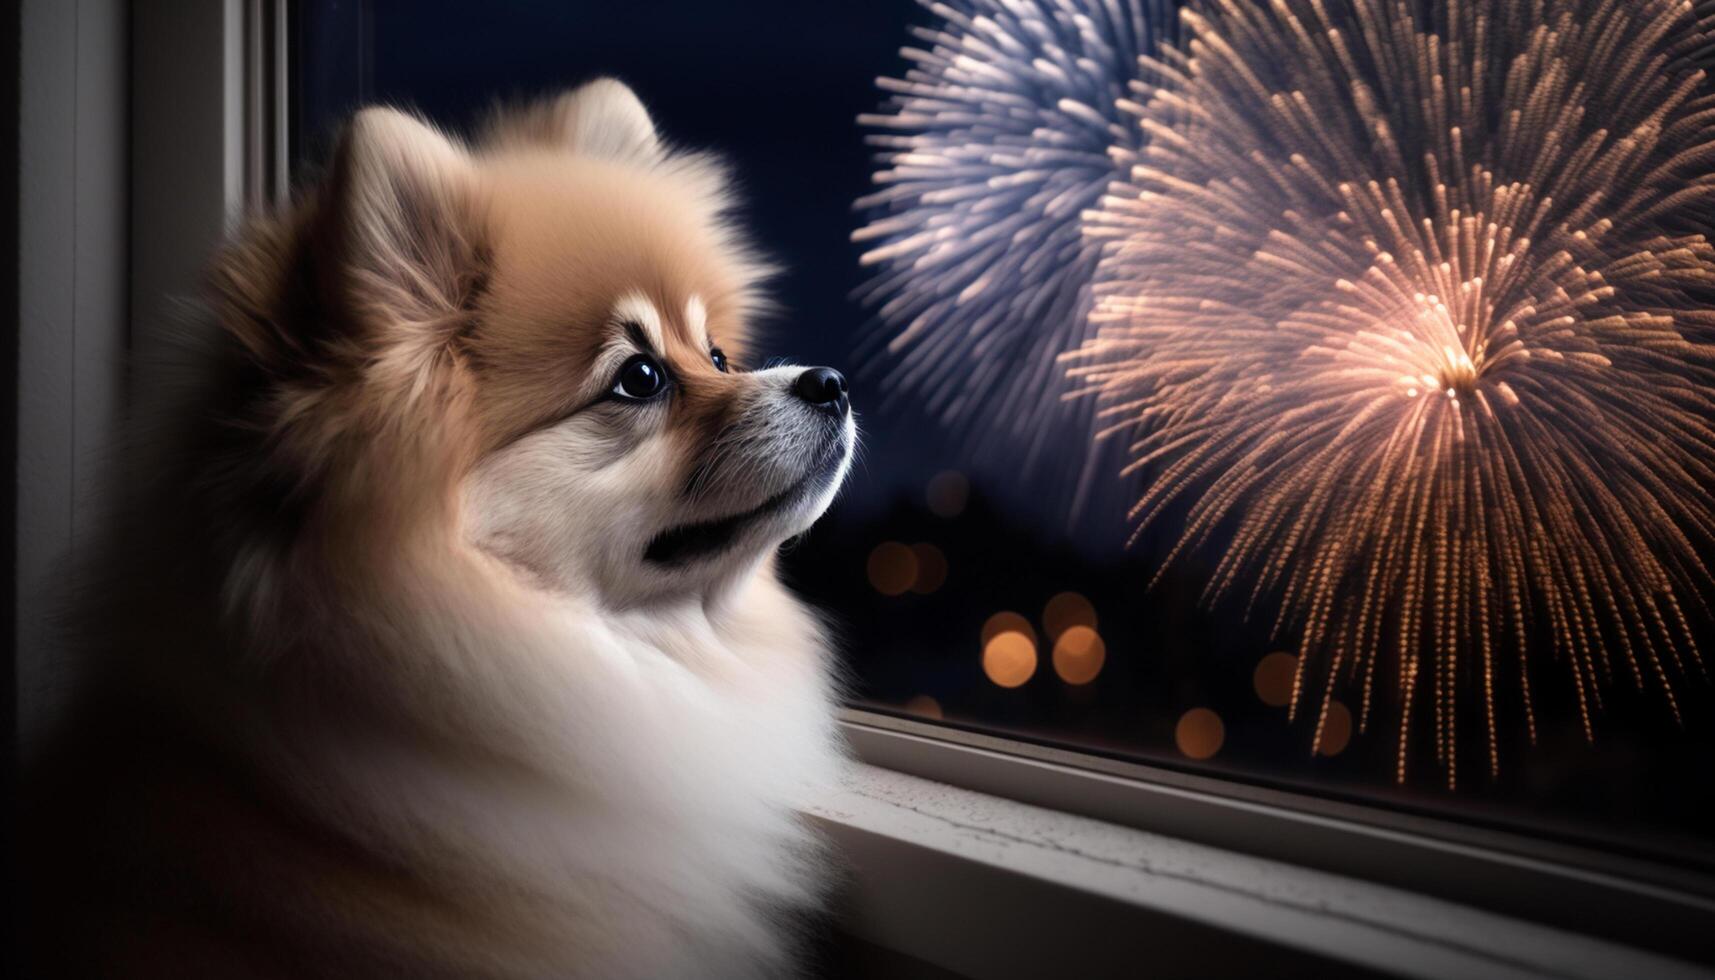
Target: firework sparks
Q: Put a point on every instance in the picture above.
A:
(1412, 313)
(991, 147)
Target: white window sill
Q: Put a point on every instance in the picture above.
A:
(990, 888)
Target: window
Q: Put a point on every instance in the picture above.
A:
(1439, 477)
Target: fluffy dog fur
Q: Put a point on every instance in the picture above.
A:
(432, 653)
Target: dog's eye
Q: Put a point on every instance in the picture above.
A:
(640, 378)
(719, 357)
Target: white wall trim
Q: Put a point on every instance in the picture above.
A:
(187, 149)
(131, 167)
(72, 307)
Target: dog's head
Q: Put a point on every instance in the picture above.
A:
(567, 296)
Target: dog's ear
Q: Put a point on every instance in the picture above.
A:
(400, 234)
(603, 119)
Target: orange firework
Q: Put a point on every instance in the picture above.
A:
(1414, 315)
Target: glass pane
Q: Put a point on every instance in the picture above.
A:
(1400, 350)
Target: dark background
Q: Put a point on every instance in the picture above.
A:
(775, 86)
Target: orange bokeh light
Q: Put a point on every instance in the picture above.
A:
(1273, 678)
(1009, 658)
(892, 568)
(948, 493)
(924, 705)
(1079, 654)
(1336, 730)
(931, 568)
(1066, 610)
(1199, 733)
(1008, 621)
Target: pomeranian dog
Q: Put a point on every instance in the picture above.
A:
(448, 642)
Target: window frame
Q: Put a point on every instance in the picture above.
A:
(988, 887)
(227, 143)
(1570, 886)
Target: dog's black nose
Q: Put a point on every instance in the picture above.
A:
(824, 388)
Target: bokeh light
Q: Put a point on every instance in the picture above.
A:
(1273, 678)
(1336, 730)
(931, 568)
(892, 568)
(948, 493)
(1009, 658)
(1079, 654)
(1066, 610)
(926, 706)
(1003, 622)
(1199, 733)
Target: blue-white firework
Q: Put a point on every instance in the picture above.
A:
(1003, 131)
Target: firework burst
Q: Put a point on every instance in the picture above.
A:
(991, 147)
(1412, 314)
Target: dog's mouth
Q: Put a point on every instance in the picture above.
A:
(689, 542)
